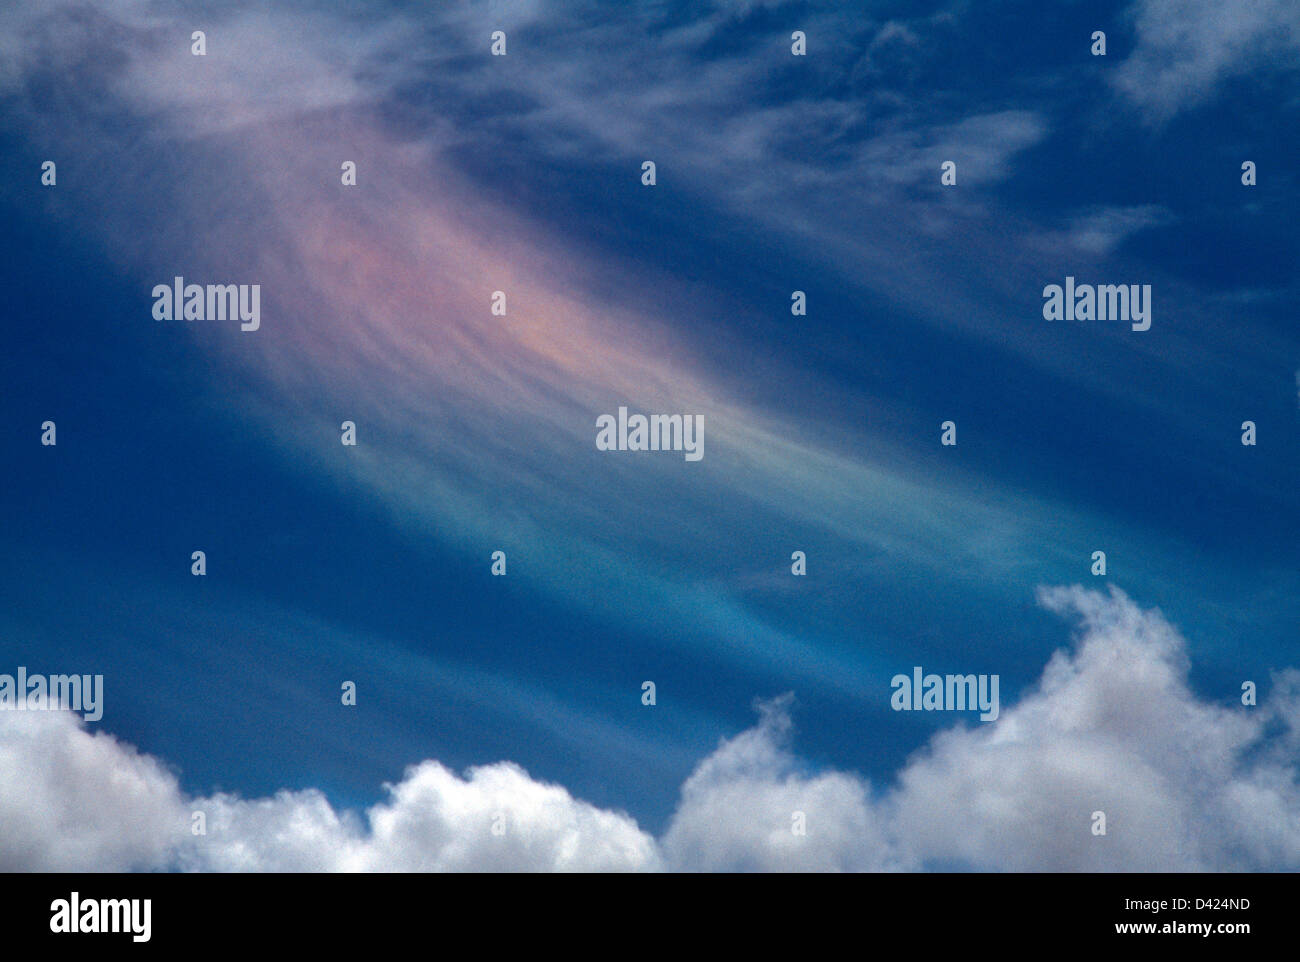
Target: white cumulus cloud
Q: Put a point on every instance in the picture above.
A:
(1112, 726)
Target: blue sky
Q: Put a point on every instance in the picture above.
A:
(522, 173)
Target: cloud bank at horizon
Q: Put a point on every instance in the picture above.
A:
(1112, 726)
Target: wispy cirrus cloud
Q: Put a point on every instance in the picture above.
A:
(1100, 230)
(380, 303)
(1184, 50)
(380, 297)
